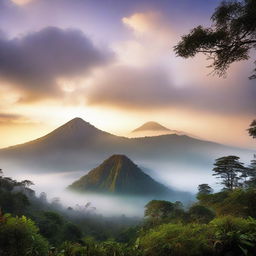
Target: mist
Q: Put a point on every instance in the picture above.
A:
(179, 177)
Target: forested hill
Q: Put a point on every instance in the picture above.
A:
(119, 175)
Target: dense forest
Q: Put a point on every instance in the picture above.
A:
(222, 223)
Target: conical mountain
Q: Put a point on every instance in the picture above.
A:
(150, 129)
(76, 131)
(151, 126)
(119, 175)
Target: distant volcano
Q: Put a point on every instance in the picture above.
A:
(153, 129)
(151, 126)
(119, 175)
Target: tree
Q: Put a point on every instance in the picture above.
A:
(229, 169)
(204, 189)
(158, 209)
(27, 183)
(43, 197)
(71, 233)
(176, 239)
(20, 237)
(50, 225)
(251, 174)
(229, 39)
(252, 129)
(200, 214)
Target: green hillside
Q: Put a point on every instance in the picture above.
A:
(119, 175)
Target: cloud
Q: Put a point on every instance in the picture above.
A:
(126, 86)
(33, 63)
(7, 119)
(150, 24)
(21, 2)
(145, 88)
(142, 22)
(150, 76)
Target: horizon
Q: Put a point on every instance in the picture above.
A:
(127, 135)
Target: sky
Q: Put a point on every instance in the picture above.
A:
(112, 63)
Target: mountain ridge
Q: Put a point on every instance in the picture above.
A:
(78, 145)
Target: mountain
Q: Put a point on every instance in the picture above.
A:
(119, 175)
(78, 145)
(151, 128)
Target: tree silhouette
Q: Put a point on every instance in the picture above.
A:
(252, 129)
(229, 39)
(204, 189)
(229, 170)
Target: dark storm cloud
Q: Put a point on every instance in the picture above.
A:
(150, 88)
(33, 63)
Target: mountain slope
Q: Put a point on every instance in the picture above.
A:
(77, 145)
(119, 175)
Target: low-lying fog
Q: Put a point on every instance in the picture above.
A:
(182, 178)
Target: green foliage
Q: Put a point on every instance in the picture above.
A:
(230, 171)
(239, 202)
(15, 203)
(11, 200)
(229, 39)
(176, 239)
(20, 237)
(53, 227)
(119, 175)
(168, 229)
(93, 248)
(160, 209)
(70, 232)
(128, 235)
(234, 236)
(204, 189)
(71, 249)
(222, 236)
(201, 214)
(50, 225)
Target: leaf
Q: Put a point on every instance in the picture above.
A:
(244, 250)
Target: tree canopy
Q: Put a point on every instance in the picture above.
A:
(229, 39)
(229, 170)
(204, 189)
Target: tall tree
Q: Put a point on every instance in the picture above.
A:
(230, 38)
(251, 174)
(229, 169)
